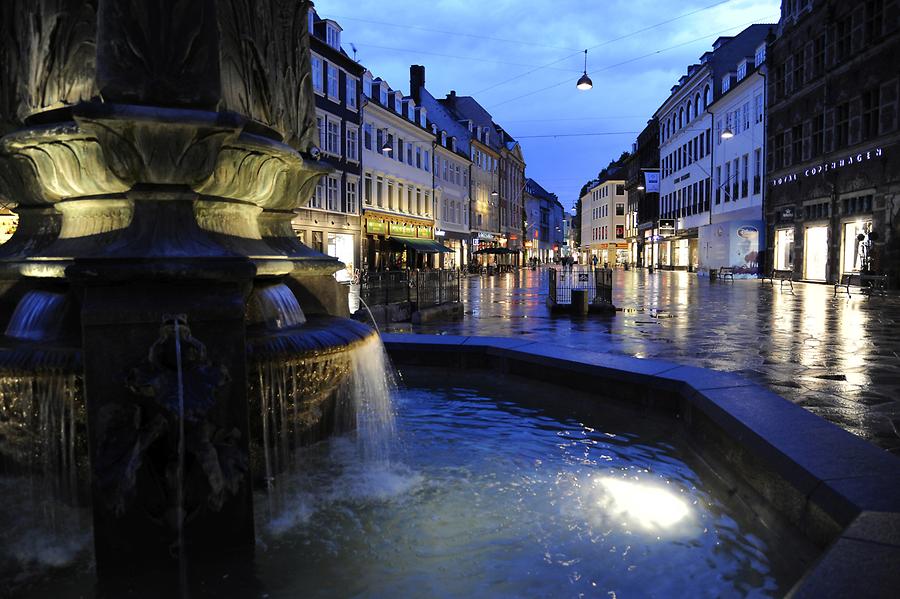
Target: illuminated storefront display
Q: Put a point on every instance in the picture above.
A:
(815, 253)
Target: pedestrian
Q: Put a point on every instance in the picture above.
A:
(594, 261)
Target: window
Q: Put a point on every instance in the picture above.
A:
(379, 192)
(367, 136)
(332, 194)
(841, 125)
(351, 92)
(427, 161)
(818, 125)
(351, 197)
(757, 171)
(718, 185)
(398, 103)
(842, 30)
(333, 143)
(735, 190)
(745, 176)
(758, 100)
(367, 189)
(870, 104)
(746, 120)
(333, 37)
(382, 96)
(316, 66)
(709, 95)
(874, 19)
(718, 132)
(318, 199)
(352, 143)
(818, 61)
(391, 197)
(620, 209)
(726, 83)
(620, 190)
(725, 183)
(620, 231)
(332, 82)
(320, 125)
(409, 154)
(742, 70)
(760, 56)
(797, 144)
(418, 157)
(797, 74)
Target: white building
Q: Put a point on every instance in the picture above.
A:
(451, 197)
(398, 188)
(686, 148)
(733, 237)
(603, 222)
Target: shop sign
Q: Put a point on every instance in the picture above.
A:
(666, 227)
(423, 232)
(830, 166)
(651, 181)
(439, 232)
(403, 230)
(483, 235)
(376, 227)
(786, 215)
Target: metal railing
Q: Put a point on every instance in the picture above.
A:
(596, 281)
(420, 287)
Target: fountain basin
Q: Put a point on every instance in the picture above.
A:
(839, 492)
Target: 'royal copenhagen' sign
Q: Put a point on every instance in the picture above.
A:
(830, 166)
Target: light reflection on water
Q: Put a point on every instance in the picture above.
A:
(485, 496)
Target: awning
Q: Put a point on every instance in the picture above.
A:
(426, 246)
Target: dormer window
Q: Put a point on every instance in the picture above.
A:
(411, 111)
(452, 144)
(726, 83)
(760, 56)
(333, 36)
(422, 113)
(444, 138)
(367, 85)
(742, 70)
(398, 103)
(383, 95)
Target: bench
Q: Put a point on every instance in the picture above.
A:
(869, 284)
(726, 271)
(781, 276)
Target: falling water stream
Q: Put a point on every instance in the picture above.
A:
(179, 494)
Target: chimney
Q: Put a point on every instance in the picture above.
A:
(416, 82)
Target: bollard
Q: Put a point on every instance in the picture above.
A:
(579, 301)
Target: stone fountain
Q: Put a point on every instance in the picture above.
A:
(168, 339)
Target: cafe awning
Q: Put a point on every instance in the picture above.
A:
(426, 246)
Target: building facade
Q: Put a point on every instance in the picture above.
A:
(330, 223)
(484, 179)
(544, 223)
(397, 181)
(686, 147)
(452, 220)
(832, 142)
(736, 234)
(642, 187)
(511, 189)
(603, 218)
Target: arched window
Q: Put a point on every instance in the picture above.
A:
(689, 111)
(708, 94)
(681, 118)
(697, 107)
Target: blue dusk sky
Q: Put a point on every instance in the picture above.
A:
(492, 50)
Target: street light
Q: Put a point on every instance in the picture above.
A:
(640, 188)
(584, 82)
(727, 133)
(494, 194)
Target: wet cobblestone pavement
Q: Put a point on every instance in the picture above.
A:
(837, 357)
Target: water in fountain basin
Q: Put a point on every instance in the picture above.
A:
(276, 306)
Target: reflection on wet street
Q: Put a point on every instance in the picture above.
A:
(837, 357)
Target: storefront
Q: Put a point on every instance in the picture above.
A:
(784, 248)
(388, 246)
(815, 252)
(342, 246)
(458, 244)
(855, 245)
